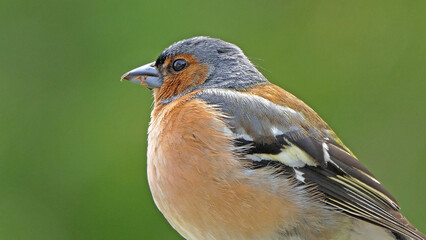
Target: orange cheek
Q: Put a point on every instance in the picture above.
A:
(176, 83)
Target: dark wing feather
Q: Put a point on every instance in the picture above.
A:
(275, 135)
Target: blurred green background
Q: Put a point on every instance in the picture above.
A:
(73, 138)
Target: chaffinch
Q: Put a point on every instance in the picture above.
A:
(233, 156)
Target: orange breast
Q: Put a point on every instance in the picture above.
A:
(199, 185)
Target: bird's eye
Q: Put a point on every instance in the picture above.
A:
(179, 65)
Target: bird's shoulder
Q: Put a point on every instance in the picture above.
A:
(276, 129)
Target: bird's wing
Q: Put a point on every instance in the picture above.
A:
(277, 135)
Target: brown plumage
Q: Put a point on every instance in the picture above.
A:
(232, 156)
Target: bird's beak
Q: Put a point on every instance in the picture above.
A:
(147, 75)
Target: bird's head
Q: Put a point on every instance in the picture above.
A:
(196, 63)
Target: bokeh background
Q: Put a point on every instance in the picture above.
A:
(73, 138)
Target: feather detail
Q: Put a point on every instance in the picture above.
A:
(281, 131)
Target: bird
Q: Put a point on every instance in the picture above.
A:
(232, 156)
